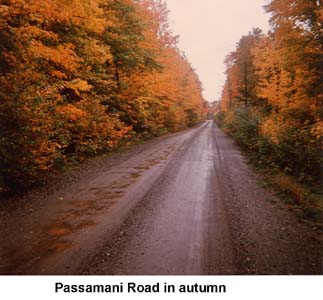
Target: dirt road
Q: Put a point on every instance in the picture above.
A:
(182, 204)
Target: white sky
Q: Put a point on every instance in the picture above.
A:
(209, 30)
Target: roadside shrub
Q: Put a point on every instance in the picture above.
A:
(289, 187)
(219, 118)
(242, 125)
(299, 155)
(296, 150)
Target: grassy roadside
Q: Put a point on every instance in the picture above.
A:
(302, 199)
(305, 198)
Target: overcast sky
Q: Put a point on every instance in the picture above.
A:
(209, 30)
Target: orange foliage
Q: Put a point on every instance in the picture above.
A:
(79, 77)
(282, 81)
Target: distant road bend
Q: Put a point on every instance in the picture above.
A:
(186, 203)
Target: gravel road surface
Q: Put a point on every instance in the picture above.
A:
(186, 203)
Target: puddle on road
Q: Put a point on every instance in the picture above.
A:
(73, 217)
(59, 231)
(61, 228)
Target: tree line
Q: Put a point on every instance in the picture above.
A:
(272, 100)
(81, 77)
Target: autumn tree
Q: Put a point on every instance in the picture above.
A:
(240, 71)
(284, 114)
(79, 77)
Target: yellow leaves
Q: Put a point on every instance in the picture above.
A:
(105, 83)
(272, 127)
(96, 52)
(28, 32)
(71, 112)
(78, 86)
(279, 82)
(317, 132)
(82, 75)
(58, 74)
(93, 14)
(4, 11)
(289, 185)
(42, 153)
(86, 14)
(63, 55)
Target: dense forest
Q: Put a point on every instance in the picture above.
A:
(81, 77)
(272, 101)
